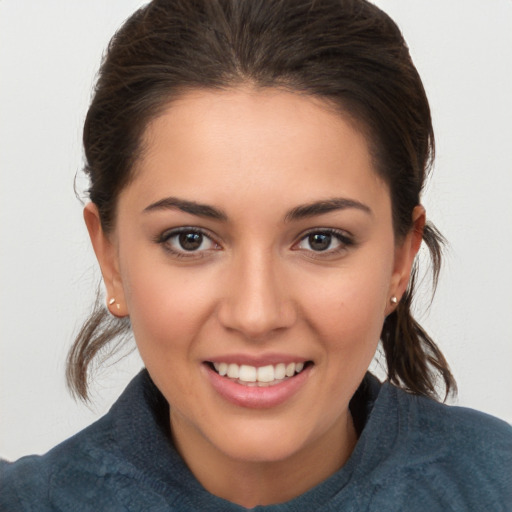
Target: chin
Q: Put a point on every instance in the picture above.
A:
(261, 441)
(255, 451)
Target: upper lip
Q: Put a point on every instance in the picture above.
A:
(257, 360)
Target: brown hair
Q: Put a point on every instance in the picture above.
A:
(347, 52)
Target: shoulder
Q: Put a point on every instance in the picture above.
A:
(28, 483)
(114, 464)
(15, 477)
(472, 433)
(464, 454)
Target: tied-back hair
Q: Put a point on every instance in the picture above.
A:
(346, 52)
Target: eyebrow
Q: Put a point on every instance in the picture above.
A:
(201, 210)
(297, 213)
(325, 206)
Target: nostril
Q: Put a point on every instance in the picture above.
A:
(256, 306)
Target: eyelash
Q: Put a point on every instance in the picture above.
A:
(343, 238)
(166, 236)
(345, 241)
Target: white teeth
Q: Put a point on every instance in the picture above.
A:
(290, 369)
(258, 376)
(280, 371)
(222, 369)
(247, 373)
(233, 371)
(266, 373)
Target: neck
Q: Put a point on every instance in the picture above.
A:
(249, 483)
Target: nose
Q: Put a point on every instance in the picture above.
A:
(257, 302)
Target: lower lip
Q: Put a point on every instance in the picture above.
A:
(255, 397)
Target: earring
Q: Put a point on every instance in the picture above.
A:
(393, 300)
(112, 301)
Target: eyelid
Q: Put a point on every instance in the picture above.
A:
(345, 239)
(167, 234)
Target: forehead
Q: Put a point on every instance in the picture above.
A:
(216, 146)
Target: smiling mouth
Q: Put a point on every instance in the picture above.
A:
(262, 376)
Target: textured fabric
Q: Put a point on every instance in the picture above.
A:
(413, 454)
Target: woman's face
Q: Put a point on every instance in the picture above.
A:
(256, 239)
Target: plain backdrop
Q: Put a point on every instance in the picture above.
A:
(49, 53)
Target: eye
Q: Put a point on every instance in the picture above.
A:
(184, 242)
(329, 241)
(319, 241)
(190, 241)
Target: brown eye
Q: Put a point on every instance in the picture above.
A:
(190, 241)
(183, 242)
(328, 241)
(320, 241)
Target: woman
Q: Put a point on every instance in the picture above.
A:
(255, 175)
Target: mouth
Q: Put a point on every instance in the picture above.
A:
(259, 376)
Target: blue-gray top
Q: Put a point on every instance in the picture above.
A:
(413, 454)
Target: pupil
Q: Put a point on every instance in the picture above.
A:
(319, 241)
(190, 241)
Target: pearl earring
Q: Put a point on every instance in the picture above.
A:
(393, 300)
(112, 301)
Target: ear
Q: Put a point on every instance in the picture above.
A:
(405, 252)
(106, 254)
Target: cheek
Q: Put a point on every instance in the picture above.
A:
(346, 316)
(348, 309)
(167, 307)
(168, 311)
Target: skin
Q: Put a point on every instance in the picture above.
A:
(256, 286)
